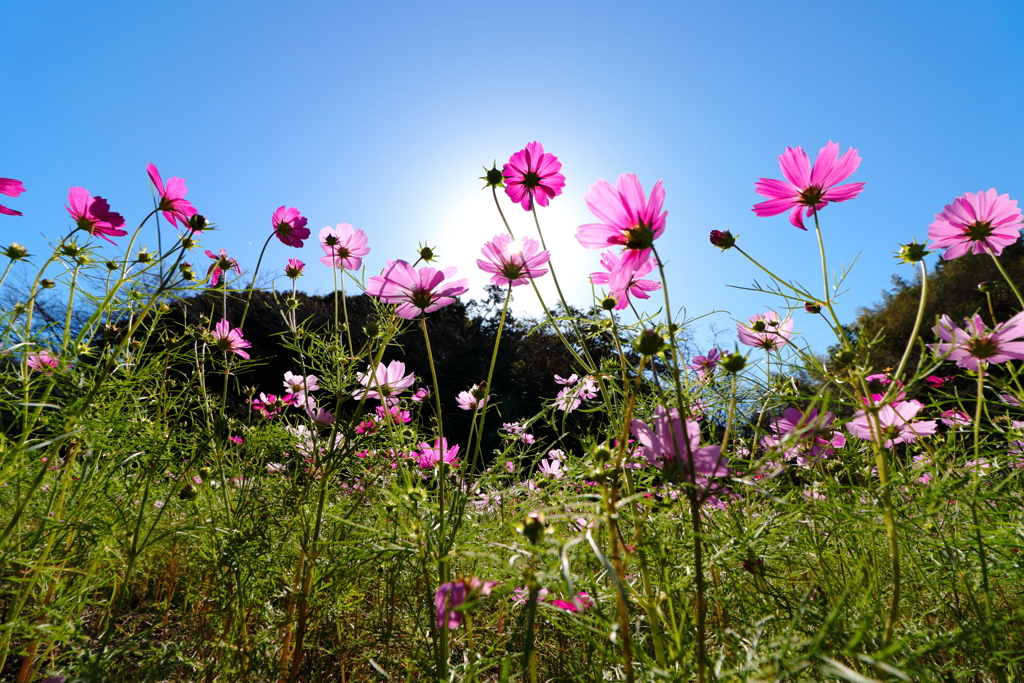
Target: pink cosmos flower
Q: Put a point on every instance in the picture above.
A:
(345, 247)
(290, 226)
(297, 384)
(93, 214)
(227, 339)
(808, 190)
(936, 382)
(172, 198)
(394, 414)
(42, 361)
(222, 263)
(455, 594)
(271, 405)
(978, 223)
(805, 438)
(520, 596)
(416, 291)
(468, 400)
(628, 219)
(580, 603)
(570, 398)
(384, 383)
(635, 286)
(237, 440)
(531, 174)
(894, 424)
(551, 469)
(11, 188)
(705, 365)
(513, 262)
(570, 380)
(955, 418)
(666, 445)
(420, 394)
(765, 331)
(974, 344)
(321, 418)
(878, 387)
(431, 456)
(294, 268)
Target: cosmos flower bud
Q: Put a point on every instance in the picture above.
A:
(608, 303)
(111, 265)
(911, 253)
(186, 271)
(189, 492)
(198, 223)
(427, 254)
(722, 239)
(371, 329)
(47, 283)
(16, 252)
(533, 527)
(734, 362)
(492, 177)
(987, 287)
(70, 249)
(479, 391)
(649, 342)
(812, 307)
(144, 257)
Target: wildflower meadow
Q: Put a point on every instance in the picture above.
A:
(752, 510)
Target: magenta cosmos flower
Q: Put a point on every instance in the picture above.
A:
(271, 405)
(634, 287)
(384, 384)
(513, 262)
(172, 198)
(11, 188)
(805, 438)
(430, 456)
(222, 263)
(669, 444)
(705, 365)
(533, 173)
(93, 214)
(416, 291)
(894, 424)
(808, 190)
(42, 361)
(978, 223)
(290, 226)
(345, 247)
(975, 344)
(452, 595)
(294, 268)
(628, 219)
(228, 339)
(766, 331)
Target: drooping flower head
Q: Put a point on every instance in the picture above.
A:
(513, 262)
(227, 339)
(454, 594)
(433, 455)
(290, 226)
(807, 190)
(222, 263)
(532, 174)
(894, 424)
(975, 344)
(416, 291)
(634, 286)
(172, 198)
(11, 188)
(93, 214)
(294, 268)
(384, 383)
(766, 331)
(345, 247)
(628, 219)
(976, 223)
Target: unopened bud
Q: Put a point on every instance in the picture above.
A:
(198, 223)
(911, 253)
(734, 362)
(47, 283)
(649, 342)
(812, 307)
(371, 329)
(16, 252)
(722, 239)
(533, 527)
(987, 287)
(608, 303)
(189, 492)
(493, 177)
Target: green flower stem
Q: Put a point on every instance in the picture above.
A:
(252, 285)
(1008, 279)
(487, 386)
(828, 290)
(893, 390)
(731, 414)
(803, 294)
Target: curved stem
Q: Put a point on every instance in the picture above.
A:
(1008, 279)
(828, 290)
(252, 285)
(487, 385)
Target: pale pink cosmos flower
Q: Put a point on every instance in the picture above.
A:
(975, 344)
(894, 424)
(275, 468)
(467, 401)
(420, 394)
(433, 455)
(452, 595)
(671, 442)
(520, 596)
(416, 291)
(320, 417)
(290, 226)
(227, 339)
(384, 383)
(551, 469)
(808, 190)
(985, 222)
(766, 331)
(42, 361)
(297, 384)
(635, 286)
(533, 174)
(345, 247)
(955, 418)
(806, 438)
(570, 380)
(570, 398)
(93, 214)
(628, 219)
(222, 263)
(11, 188)
(513, 262)
(556, 454)
(172, 198)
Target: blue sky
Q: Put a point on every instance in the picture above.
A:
(382, 114)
